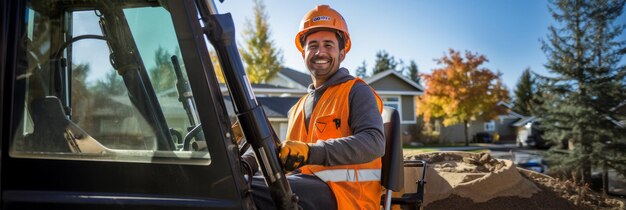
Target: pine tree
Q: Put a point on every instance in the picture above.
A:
(584, 54)
(112, 84)
(413, 73)
(263, 60)
(384, 62)
(524, 94)
(361, 71)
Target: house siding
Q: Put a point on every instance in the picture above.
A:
(408, 108)
(456, 133)
(452, 133)
(505, 130)
(392, 83)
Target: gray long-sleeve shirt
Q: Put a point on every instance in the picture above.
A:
(367, 140)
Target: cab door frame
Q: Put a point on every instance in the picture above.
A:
(27, 183)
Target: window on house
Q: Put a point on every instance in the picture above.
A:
(490, 125)
(392, 101)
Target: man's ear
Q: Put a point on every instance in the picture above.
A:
(342, 55)
(302, 52)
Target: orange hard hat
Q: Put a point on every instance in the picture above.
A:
(323, 17)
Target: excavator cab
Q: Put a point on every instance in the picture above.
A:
(113, 104)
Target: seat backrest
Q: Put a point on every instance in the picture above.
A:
(392, 176)
(49, 122)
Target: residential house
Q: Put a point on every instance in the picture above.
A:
(284, 90)
(292, 79)
(401, 93)
(504, 125)
(276, 109)
(277, 97)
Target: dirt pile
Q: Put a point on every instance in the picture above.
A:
(460, 180)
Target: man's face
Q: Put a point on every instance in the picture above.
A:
(322, 55)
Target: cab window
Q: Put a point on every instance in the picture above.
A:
(99, 83)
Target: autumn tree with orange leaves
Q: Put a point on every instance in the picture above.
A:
(462, 91)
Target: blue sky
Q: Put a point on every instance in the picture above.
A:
(506, 31)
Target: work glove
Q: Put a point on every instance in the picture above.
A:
(293, 154)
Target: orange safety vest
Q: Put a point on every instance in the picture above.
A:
(355, 186)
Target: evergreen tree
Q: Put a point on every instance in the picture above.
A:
(524, 94)
(584, 54)
(263, 60)
(112, 84)
(361, 71)
(413, 72)
(384, 62)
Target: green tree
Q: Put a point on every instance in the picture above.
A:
(361, 71)
(584, 53)
(462, 91)
(413, 72)
(263, 60)
(524, 94)
(112, 84)
(384, 62)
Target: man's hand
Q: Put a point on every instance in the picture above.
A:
(293, 154)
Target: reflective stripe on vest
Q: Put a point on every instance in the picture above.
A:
(348, 175)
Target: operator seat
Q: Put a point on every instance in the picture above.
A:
(49, 123)
(393, 164)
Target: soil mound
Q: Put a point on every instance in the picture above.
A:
(461, 180)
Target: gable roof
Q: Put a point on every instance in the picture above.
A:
(523, 121)
(386, 73)
(277, 106)
(300, 78)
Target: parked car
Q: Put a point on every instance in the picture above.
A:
(534, 164)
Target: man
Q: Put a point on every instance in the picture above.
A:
(335, 136)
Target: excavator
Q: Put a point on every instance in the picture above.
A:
(115, 104)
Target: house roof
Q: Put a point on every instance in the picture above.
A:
(509, 108)
(384, 74)
(274, 107)
(523, 121)
(303, 79)
(277, 106)
(505, 104)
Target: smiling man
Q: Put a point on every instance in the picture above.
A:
(335, 136)
(323, 55)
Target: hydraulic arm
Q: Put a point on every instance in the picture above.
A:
(220, 31)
